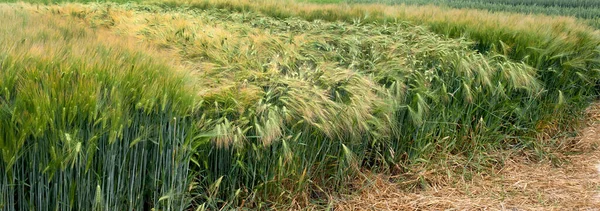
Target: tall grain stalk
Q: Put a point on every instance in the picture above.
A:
(88, 124)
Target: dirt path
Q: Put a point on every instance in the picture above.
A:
(519, 185)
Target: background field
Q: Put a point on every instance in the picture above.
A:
(584, 9)
(272, 105)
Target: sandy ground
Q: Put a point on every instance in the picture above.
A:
(521, 184)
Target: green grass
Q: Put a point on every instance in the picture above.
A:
(221, 104)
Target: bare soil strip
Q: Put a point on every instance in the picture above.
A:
(521, 184)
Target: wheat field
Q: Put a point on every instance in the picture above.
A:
(216, 104)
